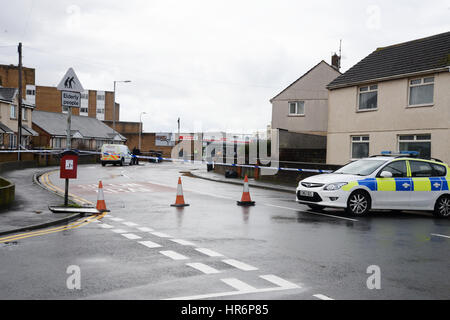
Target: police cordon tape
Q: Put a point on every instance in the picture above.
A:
(181, 160)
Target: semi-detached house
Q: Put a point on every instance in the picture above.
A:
(397, 98)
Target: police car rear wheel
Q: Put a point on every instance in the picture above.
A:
(358, 203)
(442, 207)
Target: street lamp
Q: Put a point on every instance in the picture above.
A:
(114, 114)
(140, 128)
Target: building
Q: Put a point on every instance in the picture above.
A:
(87, 133)
(300, 114)
(94, 103)
(302, 107)
(9, 119)
(397, 98)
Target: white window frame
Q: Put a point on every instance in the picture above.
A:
(13, 112)
(360, 140)
(24, 114)
(422, 83)
(297, 104)
(370, 88)
(415, 139)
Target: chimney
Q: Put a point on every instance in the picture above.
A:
(336, 61)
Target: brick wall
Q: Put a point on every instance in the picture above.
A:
(9, 77)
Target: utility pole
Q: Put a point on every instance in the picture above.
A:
(19, 103)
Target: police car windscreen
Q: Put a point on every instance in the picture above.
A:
(361, 167)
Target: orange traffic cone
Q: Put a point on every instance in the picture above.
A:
(179, 202)
(246, 200)
(101, 205)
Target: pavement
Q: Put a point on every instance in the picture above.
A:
(212, 176)
(30, 210)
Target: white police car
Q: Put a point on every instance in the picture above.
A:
(385, 182)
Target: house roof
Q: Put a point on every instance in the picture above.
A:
(9, 94)
(5, 129)
(303, 77)
(400, 60)
(55, 124)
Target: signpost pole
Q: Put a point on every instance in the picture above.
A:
(68, 147)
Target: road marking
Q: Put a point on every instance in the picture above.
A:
(173, 255)
(145, 229)
(130, 224)
(160, 234)
(183, 242)
(312, 212)
(322, 297)
(279, 281)
(440, 235)
(149, 244)
(203, 268)
(119, 231)
(228, 293)
(238, 284)
(117, 219)
(239, 265)
(106, 226)
(209, 252)
(131, 236)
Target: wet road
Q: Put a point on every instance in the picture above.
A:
(213, 249)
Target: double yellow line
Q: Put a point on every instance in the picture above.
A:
(46, 181)
(70, 226)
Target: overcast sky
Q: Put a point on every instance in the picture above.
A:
(215, 64)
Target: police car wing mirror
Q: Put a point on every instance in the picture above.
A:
(386, 174)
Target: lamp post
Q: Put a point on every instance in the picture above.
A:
(114, 112)
(140, 128)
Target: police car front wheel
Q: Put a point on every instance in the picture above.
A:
(442, 207)
(358, 203)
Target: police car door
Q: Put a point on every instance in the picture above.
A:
(426, 187)
(395, 192)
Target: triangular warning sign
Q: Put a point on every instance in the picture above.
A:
(70, 82)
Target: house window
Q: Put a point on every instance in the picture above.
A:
(65, 109)
(31, 92)
(100, 97)
(421, 91)
(12, 141)
(57, 143)
(297, 108)
(83, 110)
(13, 112)
(100, 111)
(85, 96)
(24, 115)
(360, 147)
(368, 97)
(420, 143)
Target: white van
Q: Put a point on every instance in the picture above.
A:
(115, 154)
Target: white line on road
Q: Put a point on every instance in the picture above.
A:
(322, 297)
(130, 224)
(209, 252)
(440, 235)
(150, 244)
(183, 242)
(106, 226)
(228, 293)
(160, 234)
(239, 265)
(238, 284)
(203, 268)
(119, 231)
(117, 219)
(173, 255)
(279, 281)
(145, 229)
(312, 212)
(131, 236)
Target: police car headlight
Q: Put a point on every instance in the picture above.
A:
(334, 186)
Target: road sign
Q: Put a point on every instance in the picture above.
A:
(70, 82)
(71, 99)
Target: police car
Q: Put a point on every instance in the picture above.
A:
(385, 182)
